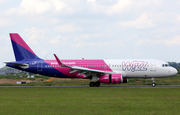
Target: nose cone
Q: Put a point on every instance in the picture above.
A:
(174, 71)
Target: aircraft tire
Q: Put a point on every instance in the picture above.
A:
(91, 84)
(97, 84)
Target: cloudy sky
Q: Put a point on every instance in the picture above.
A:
(93, 29)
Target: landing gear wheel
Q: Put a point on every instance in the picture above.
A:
(91, 84)
(153, 84)
(97, 84)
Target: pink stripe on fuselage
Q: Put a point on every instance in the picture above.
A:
(16, 38)
(91, 64)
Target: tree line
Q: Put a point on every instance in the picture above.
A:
(174, 64)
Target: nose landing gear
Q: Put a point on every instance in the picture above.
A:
(153, 82)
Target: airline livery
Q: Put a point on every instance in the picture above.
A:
(99, 71)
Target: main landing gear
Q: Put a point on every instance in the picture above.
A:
(94, 84)
(153, 82)
(94, 78)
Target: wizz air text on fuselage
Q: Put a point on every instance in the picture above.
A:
(134, 66)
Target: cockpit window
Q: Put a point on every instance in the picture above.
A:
(165, 65)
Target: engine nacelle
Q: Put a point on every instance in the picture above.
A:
(111, 78)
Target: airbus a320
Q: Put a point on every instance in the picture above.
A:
(108, 71)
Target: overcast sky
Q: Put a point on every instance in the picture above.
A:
(93, 29)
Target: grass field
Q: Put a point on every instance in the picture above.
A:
(98, 101)
(174, 80)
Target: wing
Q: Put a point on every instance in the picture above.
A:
(81, 70)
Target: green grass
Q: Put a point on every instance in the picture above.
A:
(174, 80)
(98, 101)
(24, 77)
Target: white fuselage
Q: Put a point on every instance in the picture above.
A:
(144, 68)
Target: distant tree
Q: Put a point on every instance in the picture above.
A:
(174, 64)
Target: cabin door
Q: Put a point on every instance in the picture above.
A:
(39, 66)
(153, 66)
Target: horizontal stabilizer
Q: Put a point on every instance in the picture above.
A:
(17, 64)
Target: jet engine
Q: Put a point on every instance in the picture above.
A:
(112, 78)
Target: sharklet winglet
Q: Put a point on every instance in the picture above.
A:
(60, 62)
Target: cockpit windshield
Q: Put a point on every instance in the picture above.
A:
(166, 65)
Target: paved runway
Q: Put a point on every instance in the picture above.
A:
(80, 86)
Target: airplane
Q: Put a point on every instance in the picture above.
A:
(107, 71)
